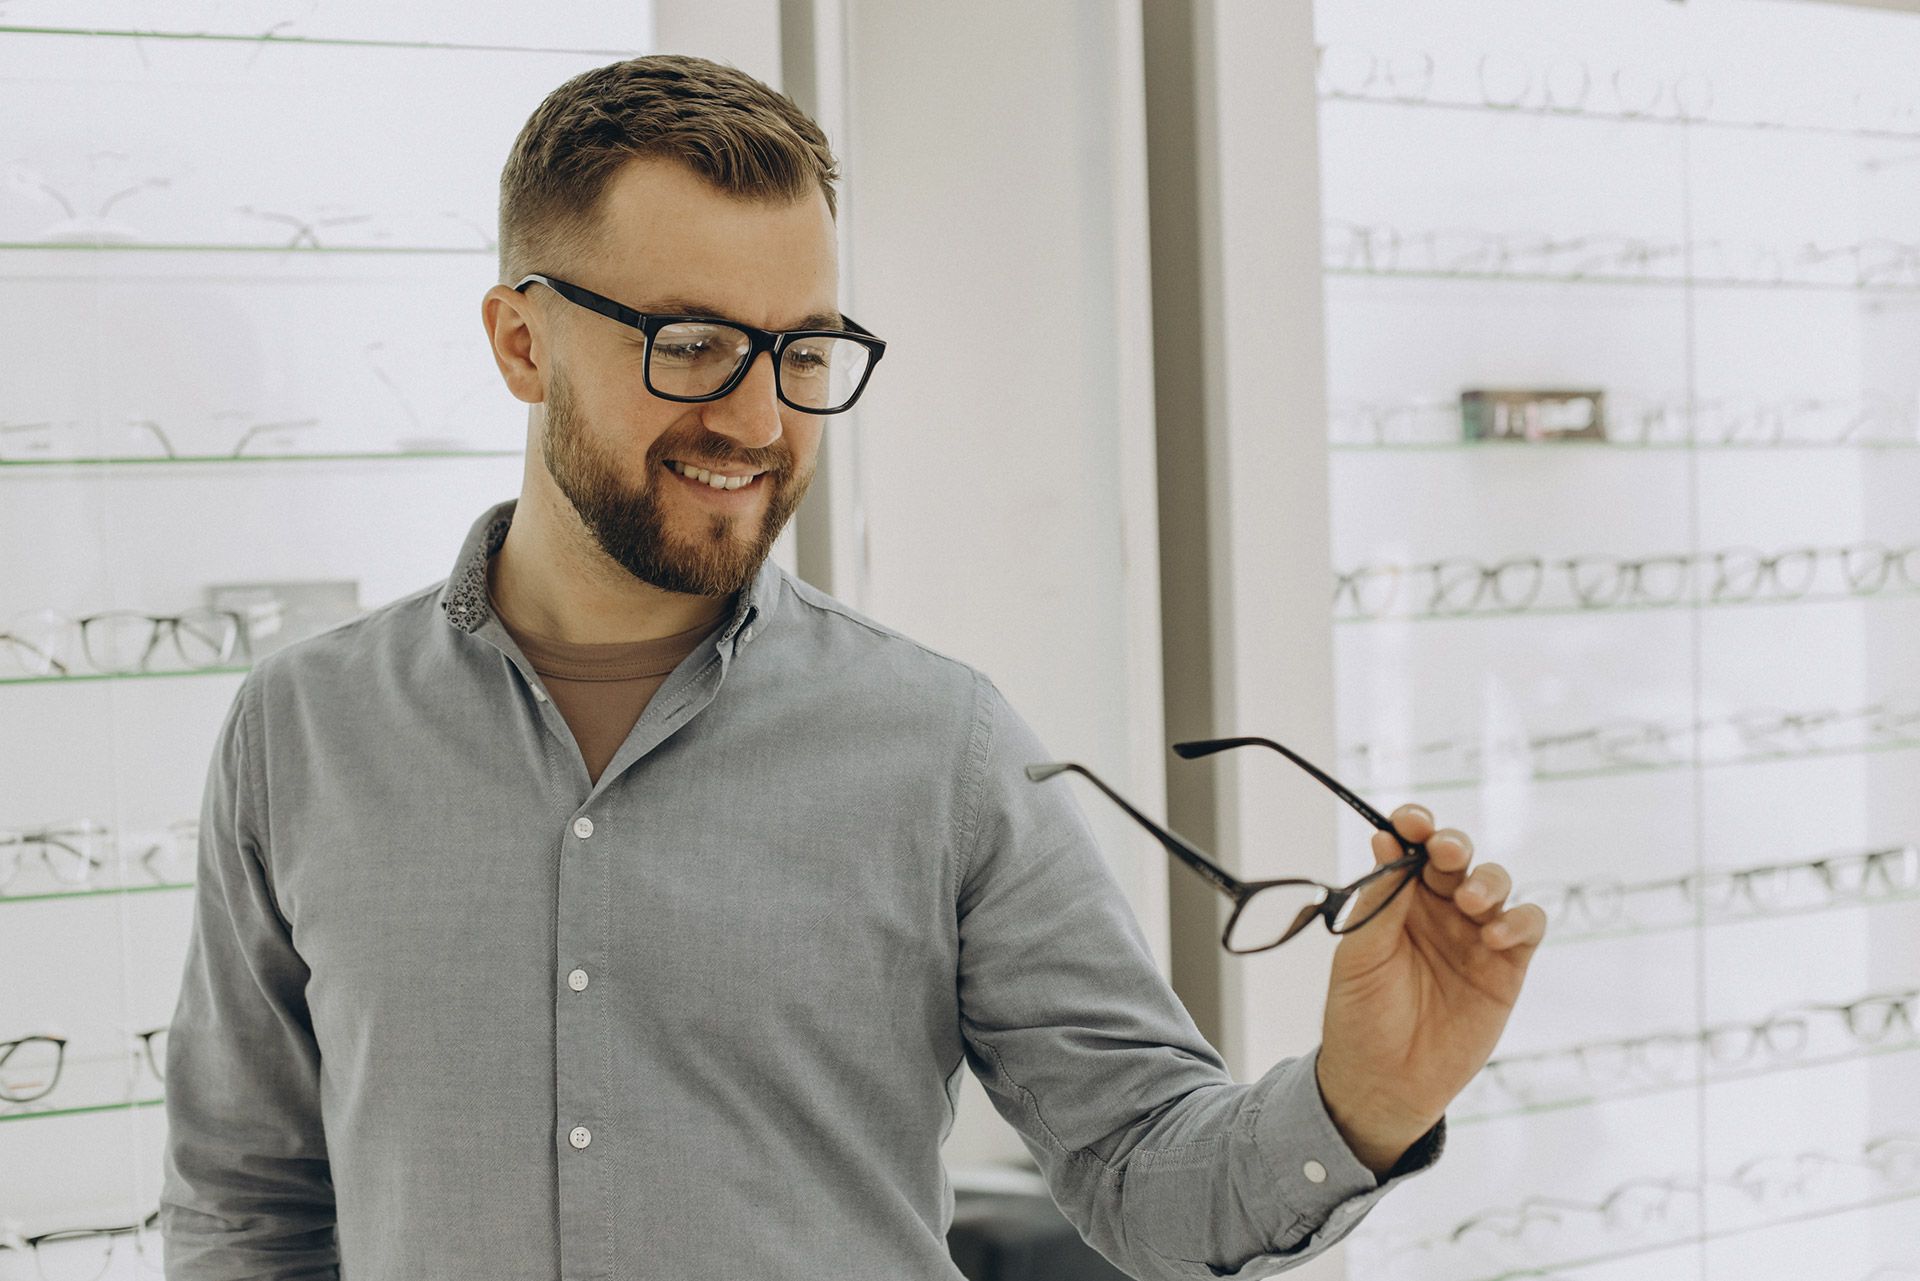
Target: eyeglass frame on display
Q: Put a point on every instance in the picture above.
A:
(155, 1059)
(772, 342)
(240, 642)
(185, 832)
(1333, 899)
(49, 838)
(146, 1229)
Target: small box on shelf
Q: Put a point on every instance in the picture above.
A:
(1530, 415)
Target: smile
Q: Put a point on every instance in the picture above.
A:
(712, 480)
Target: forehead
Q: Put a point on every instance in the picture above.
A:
(667, 233)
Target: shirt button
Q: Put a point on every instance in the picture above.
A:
(1315, 1172)
(747, 635)
(583, 827)
(577, 980)
(580, 1136)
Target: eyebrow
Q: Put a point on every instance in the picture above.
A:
(693, 307)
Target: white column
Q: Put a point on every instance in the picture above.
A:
(995, 204)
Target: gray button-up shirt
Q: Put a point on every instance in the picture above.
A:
(453, 1011)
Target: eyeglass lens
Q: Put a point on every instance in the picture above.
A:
(1275, 913)
(689, 358)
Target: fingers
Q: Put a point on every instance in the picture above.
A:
(1518, 931)
(1450, 852)
(1414, 822)
(1483, 894)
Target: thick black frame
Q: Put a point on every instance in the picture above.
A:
(774, 342)
(1333, 898)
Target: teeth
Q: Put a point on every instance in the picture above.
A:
(711, 479)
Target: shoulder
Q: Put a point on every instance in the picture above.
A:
(366, 649)
(895, 676)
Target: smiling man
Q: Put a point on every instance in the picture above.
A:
(623, 906)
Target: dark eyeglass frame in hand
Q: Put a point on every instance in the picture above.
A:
(1340, 908)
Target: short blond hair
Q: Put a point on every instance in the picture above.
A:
(733, 130)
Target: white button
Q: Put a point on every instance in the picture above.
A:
(580, 1136)
(540, 694)
(1347, 1210)
(1315, 1172)
(747, 635)
(583, 827)
(577, 980)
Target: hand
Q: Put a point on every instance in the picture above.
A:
(1420, 994)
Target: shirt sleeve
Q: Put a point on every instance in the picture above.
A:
(247, 1192)
(1165, 1165)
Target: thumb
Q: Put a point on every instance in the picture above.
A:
(1376, 915)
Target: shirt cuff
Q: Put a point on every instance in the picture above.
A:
(1315, 1174)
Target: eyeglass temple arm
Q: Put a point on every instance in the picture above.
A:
(1207, 746)
(1176, 845)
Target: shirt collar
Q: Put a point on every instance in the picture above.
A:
(464, 598)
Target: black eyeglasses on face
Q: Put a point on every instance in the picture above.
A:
(699, 358)
(1268, 913)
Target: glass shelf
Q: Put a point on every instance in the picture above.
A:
(269, 37)
(1573, 1102)
(1537, 448)
(123, 676)
(1536, 1272)
(110, 246)
(1622, 118)
(202, 460)
(1654, 282)
(97, 891)
(90, 1085)
(1599, 611)
(1617, 933)
(1625, 771)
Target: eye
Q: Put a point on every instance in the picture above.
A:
(809, 357)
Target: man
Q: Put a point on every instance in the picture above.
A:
(625, 907)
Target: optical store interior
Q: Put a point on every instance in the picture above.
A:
(1513, 407)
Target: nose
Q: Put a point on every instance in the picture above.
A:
(750, 413)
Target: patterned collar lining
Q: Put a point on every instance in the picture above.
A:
(465, 597)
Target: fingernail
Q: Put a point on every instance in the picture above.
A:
(1423, 810)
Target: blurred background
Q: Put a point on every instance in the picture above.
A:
(1510, 405)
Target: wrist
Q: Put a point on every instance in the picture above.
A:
(1372, 1129)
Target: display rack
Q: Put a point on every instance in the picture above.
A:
(245, 254)
(1699, 756)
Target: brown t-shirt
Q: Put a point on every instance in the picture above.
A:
(602, 689)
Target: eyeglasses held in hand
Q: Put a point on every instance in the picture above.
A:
(1268, 913)
(698, 358)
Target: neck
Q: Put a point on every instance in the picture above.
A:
(551, 578)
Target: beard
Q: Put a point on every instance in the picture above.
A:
(710, 555)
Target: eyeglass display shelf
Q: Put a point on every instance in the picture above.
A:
(272, 37)
(1598, 611)
(1574, 1102)
(86, 1087)
(1603, 281)
(1864, 132)
(1623, 771)
(157, 247)
(95, 891)
(202, 460)
(76, 678)
(1622, 932)
(1535, 449)
(1548, 1268)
